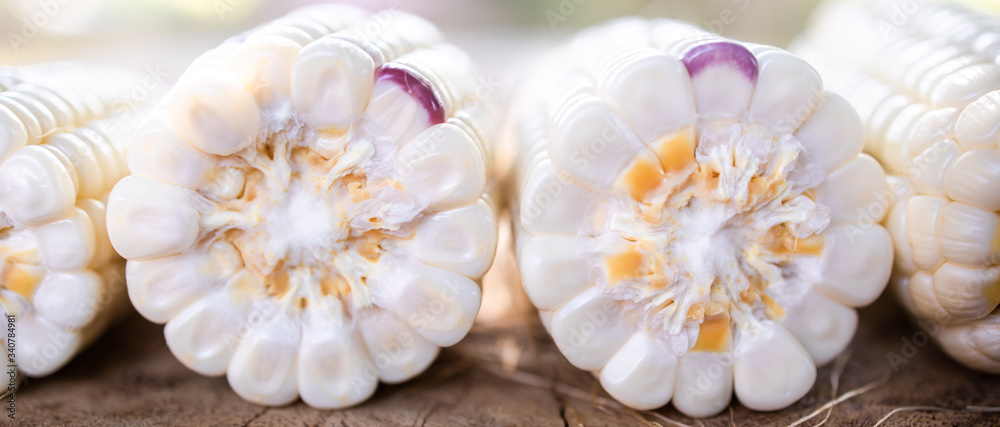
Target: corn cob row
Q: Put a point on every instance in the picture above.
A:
(308, 211)
(61, 151)
(925, 78)
(685, 215)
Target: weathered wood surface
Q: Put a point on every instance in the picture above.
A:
(130, 378)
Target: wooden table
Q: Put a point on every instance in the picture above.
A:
(510, 375)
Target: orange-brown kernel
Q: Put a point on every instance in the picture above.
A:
(759, 188)
(367, 245)
(267, 150)
(714, 335)
(21, 278)
(751, 293)
(333, 285)
(782, 242)
(772, 310)
(302, 303)
(706, 181)
(641, 178)
(991, 292)
(629, 264)
(676, 150)
(755, 292)
(277, 282)
(357, 190)
(812, 245)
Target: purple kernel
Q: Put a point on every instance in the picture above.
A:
(713, 54)
(416, 87)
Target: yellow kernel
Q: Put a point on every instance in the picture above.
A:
(772, 310)
(641, 178)
(333, 285)
(277, 283)
(626, 265)
(22, 278)
(676, 150)
(992, 293)
(714, 335)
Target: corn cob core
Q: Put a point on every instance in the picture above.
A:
(684, 205)
(61, 151)
(308, 211)
(315, 221)
(925, 78)
(731, 211)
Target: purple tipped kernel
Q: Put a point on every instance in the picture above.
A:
(416, 87)
(723, 53)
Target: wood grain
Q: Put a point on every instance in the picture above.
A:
(130, 378)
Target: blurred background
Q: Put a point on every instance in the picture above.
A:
(769, 21)
(498, 33)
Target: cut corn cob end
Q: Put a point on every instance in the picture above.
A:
(61, 151)
(308, 213)
(686, 213)
(927, 88)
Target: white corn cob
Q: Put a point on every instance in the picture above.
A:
(685, 211)
(925, 79)
(62, 148)
(308, 212)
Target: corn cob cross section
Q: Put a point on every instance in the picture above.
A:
(62, 148)
(685, 209)
(308, 212)
(925, 79)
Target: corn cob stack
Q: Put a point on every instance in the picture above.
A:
(924, 77)
(685, 210)
(62, 148)
(308, 212)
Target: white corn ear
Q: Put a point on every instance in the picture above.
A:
(925, 78)
(62, 148)
(685, 213)
(309, 212)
